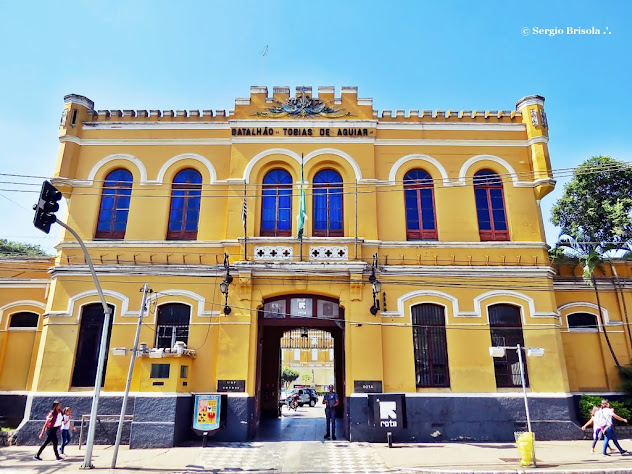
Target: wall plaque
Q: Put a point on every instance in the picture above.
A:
(367, 386)
(231, 385)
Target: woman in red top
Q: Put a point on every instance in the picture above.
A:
(51, 426)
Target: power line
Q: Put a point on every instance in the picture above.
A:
(437, 183)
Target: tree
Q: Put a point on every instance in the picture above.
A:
(597, 203)
(17, 249)
(590, 256)
(595, 215)
(288, 375)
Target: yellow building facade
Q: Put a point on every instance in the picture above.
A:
(423, 246)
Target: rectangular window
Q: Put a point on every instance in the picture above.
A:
(184, 371)
(506, 330)
(430, 345)
(297, 354)
(159, 371)
(314, 354)
(331, 354)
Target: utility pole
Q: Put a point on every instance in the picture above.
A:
(119, 431)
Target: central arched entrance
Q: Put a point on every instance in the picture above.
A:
(277, 317)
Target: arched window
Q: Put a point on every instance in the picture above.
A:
(185, 205)
(505, 326)
(431, 348)
(419, 200)
(276, 213)
(172, 324)
(115, 200)
(25, 319)
(582, 322)
(328, 210)
(490, 206)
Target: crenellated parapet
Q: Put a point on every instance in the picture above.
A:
(307, 103)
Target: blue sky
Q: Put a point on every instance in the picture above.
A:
(405, 55)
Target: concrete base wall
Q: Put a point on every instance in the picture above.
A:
(154, 424)
(159, 421)
(493, 419)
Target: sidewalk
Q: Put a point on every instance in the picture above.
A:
(324, 457)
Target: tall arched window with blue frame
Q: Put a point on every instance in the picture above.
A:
(328, 204)
(490, 206)
(184, 214)
(276, 208)
(421, 221)
(115, 202)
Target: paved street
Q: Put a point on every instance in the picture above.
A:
(294, 444)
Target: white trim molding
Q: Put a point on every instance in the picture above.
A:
(199, 299)
(418, 157)
(37, 304)
(119, 156)
(422, 294)
(478, 303)
(265, 153)
(586, 304)
(124, 303)
(463, 172)
(186, 156)
(345, 156)
(291, 154)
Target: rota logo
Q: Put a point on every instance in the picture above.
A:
(388, 414)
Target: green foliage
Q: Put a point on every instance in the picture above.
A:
(625, 373)
(288, 375)
(17, 249)
(597, 203)
(587, 402)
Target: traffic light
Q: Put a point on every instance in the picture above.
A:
(46, 207)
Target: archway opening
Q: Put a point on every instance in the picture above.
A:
(305, 335)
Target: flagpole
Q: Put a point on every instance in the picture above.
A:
(356, 219)
(302, 215)
(301, 207)
(244, 218)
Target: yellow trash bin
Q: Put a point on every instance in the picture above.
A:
(524, 440)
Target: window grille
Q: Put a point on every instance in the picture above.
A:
(430, 345)
(172, 324)
(506, 330)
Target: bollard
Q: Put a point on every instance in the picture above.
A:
(389, 438)
(204, 439)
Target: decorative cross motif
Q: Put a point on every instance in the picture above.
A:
(328, 252)
(276, 252)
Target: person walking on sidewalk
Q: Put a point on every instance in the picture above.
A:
(597, 431)
(604, 418)
(330, 400)
(51, 426)
(66, 426)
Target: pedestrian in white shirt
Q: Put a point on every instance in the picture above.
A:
(604, 420)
